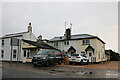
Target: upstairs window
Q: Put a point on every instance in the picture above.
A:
(2, 42)
(55, 43)
(66, 43)
(87, 41)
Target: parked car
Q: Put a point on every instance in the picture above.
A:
(66, 59)
(47, 57)
(78, 58)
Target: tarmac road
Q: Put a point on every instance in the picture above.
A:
(9, 73)
(55, 71)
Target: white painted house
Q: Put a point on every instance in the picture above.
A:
(17, 51)
(86, 44)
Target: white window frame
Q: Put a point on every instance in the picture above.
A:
(85, 41)
(66, 43)
(14, 53)
(3, 42)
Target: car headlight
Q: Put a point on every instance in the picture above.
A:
(43, 57)
(34, 57)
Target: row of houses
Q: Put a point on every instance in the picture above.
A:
(23, 46)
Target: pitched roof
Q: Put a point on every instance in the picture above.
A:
(39, 44)
(76, 37)
(90, 47)
(13, 35)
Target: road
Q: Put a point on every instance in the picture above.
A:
(54, 71)
(9, 73)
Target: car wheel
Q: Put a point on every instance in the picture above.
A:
(47, 63)
(87, 62)
(70, 63)
(59, 61)
(35, 65)
(81, 62)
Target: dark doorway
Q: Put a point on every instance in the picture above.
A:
(71, 50)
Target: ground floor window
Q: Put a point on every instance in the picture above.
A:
(2, 53)
(28, 53)
(72, 53)
(14, 53)
(90, 54)
(99, 55)
(24, 53)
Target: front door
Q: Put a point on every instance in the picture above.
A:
(90, 54)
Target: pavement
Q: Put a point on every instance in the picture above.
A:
(62, 71)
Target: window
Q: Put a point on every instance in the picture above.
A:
(66, 43)
(14, 53)
(55, 43)
(24, 53)
(28, 53)
(90, 54)
(86, 41)
(2, 53)
(2, 42)
(99, 55)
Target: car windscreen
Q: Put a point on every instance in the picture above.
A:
(42, 52)
(83, 55)
(75, 55)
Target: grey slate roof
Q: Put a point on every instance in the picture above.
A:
(75, 37)
(40, 44)
(13, 35)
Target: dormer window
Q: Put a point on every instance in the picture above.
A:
(85, 41)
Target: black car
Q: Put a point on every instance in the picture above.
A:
(47, 57)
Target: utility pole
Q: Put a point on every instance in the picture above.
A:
(11, 52)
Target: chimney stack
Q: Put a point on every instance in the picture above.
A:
(68, 33)
(39, 38)
(29, 28)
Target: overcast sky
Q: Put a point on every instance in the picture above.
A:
(48, 19)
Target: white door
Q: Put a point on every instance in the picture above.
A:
(90, 54)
